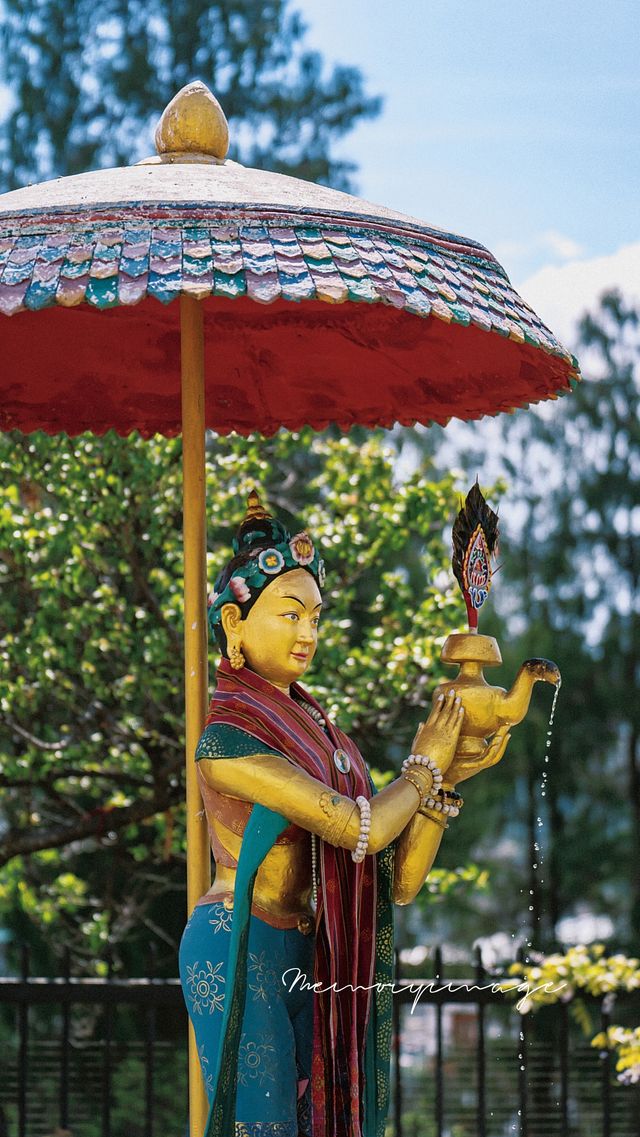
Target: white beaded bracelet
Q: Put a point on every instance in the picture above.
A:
(442, 806)
(360, 851)
(430, 763)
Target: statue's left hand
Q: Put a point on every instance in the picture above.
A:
(438, 736)
(462, 768)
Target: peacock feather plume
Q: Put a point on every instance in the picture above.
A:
(475, 543)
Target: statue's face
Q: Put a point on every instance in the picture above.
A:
(280, 633)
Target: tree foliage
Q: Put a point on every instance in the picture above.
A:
(90, 615)
(90, 81)
(569, 590)
(90, 624)
(90, 748)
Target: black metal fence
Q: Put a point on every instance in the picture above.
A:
(478, 1068)
(68, 1082)
(107, 1058)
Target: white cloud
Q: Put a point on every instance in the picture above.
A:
(564, 247)
(561, 294)
(551, 242)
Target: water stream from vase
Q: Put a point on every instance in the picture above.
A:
(538, 864)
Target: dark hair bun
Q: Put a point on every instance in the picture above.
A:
(259, 532)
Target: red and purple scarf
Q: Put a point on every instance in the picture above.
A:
(347, 893)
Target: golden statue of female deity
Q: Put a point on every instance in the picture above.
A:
(286, 961)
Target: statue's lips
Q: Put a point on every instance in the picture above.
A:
(300, 655)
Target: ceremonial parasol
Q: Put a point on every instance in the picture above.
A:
(298, 305)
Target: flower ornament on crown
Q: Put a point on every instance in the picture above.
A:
(270, 561)
(302, 549)
(239, 589)
(263, 550)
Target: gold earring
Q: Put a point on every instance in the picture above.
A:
(236, 658)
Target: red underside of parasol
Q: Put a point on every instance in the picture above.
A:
(71, 370)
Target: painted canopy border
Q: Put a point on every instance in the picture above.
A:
(106, 260)
(110, 258)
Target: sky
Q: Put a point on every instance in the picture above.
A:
(514, 123)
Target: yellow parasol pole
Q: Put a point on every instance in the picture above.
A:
(195, 634)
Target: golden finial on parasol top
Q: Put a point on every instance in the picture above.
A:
(192, 128)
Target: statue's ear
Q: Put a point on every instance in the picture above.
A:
(231, 619)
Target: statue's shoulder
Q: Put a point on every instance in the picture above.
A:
(220, 740)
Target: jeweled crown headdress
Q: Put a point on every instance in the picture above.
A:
(263, 549)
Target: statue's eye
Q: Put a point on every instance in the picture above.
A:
(291, 616)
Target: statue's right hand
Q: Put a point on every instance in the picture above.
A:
(438, 736)
(464, 768)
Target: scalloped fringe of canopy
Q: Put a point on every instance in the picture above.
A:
(108, 258)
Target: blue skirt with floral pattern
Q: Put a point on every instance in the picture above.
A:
(274, 1060)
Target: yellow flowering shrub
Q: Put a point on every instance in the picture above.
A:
(586, 971)
(626, 1043)
(582, 968)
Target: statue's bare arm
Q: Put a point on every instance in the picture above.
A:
(306, 801)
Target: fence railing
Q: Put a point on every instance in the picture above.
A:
(465, 1063)
(552, 1083)
(147, 995)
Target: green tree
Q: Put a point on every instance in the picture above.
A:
(90, 636)
(89, 81)
(569, 590)
(90, 766)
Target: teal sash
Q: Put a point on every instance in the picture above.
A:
(262, 829)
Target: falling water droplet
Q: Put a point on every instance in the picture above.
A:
(538, 863)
